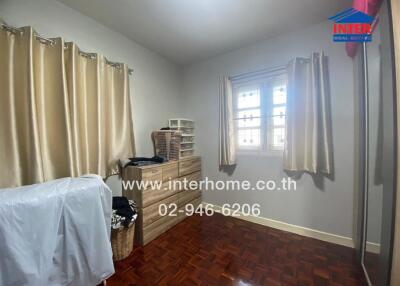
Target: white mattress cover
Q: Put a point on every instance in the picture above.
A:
(56, 233)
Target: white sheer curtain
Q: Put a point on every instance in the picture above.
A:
(308, 144)
(227, 152)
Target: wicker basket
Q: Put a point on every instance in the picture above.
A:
(122, 241)
(167, 144)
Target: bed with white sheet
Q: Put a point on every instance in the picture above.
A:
(56, 233)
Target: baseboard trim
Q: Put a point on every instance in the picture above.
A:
(373, 247)
(308, 232)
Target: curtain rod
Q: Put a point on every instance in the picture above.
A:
(258, 72)
(51, 42)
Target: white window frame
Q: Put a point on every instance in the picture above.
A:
(270, 126)
(265, 85)
(237, 90)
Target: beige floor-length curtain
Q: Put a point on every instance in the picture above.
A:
(308, 144)
(101, 122)
(226, 143)
(61, 114)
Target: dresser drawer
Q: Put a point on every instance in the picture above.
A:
(170, 172)
(151, 213)
(190, 165)
(196, 176)
(185, 197)
(152, 196)
(133, 173)
(152, 174)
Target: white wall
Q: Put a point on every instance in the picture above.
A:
(155, 84)
(323, 205)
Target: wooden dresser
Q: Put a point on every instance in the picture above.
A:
(150, 224)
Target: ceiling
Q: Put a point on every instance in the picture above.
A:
(186, 31)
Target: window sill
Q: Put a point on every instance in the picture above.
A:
(269, 153)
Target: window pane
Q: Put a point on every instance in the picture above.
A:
(249, 118)
(279, 115)
(248, 99)
(279, 94)
(278, 138)
(249, 137)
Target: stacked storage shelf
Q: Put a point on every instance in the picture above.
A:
(186, 128)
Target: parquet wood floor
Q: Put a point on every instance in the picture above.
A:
(221, 250)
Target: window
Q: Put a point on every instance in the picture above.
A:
(248, 117)
(260, 113)
(278, 117)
